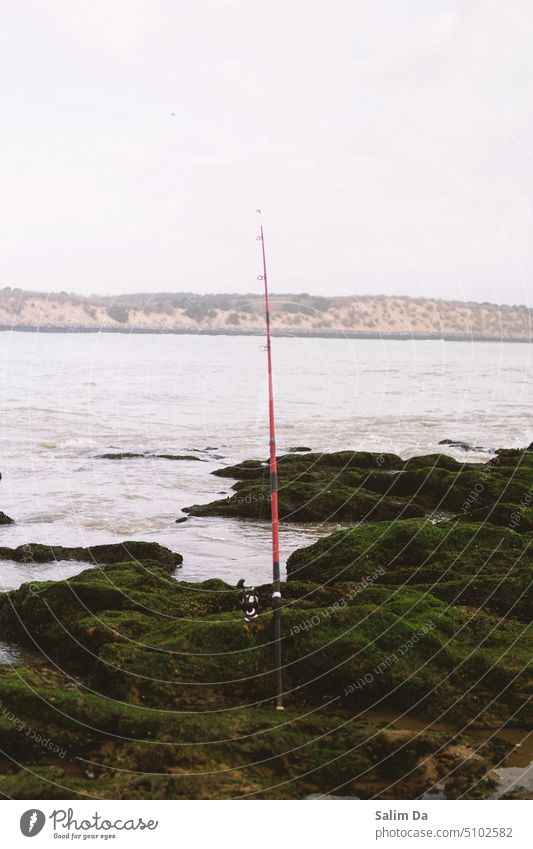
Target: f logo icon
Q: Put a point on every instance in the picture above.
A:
(32, 822)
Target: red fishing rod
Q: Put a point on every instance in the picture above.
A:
(276, 583)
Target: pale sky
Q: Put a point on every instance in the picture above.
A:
(389, 144)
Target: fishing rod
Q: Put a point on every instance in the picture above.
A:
(276, 582)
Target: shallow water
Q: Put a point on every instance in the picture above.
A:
(66, 398)
(12, 655)
(513, 775)
(13, 574)
(514, 780)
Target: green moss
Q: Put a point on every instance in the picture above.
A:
(516, 517)
(412, 550)
(70, 619)
(513, 458)
(101, 554)
(124, 752)
(291, 466)
(166, 684)
(436, 461)
(343, 486)
(167, 658)
(307, 501)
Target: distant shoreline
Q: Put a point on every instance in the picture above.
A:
(394, 317)
(300, 334)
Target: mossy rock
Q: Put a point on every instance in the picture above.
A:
(513, 457)
(340, 486)
(293, 465)
(516, 517)
(308, 501)
(437, 461)
(404, 647)
(68, 619)
(138, 636)
(247, 470)
(436, 488)
(118, 552)
(507, 595)
(114, 751)
(433, 487)
(169, 669)
(133, 455)
(412, 550)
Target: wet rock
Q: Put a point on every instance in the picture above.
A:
(470, 779)
(438, 485)
(463, 564)
(408, 614)
(111, 553)
(177, 457)
(358, 486)
(361, 486)
(430, 462)
(516, 517)
(209, 749)
(298, 449)
(121, 455)
(104, 605)
(464, 446)
(139, 635)
(150, 659)
(5, 520)
(411, 551)
(512, 457)
(247, 470)
(312, 488)
(325, 466)
(181, 520)
(308, 502)
(128, 455)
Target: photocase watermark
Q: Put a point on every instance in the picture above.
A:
(473, 497)
(37, 589)
(31, 733)
(518, 514)
(27, 556)
(317, 618)
(249, 498)
(479, 488)
(65, 819)
(32, 822)
(389, 661)
(66, 825)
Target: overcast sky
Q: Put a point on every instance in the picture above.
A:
(389, 144)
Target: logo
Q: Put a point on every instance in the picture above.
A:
(32, 822)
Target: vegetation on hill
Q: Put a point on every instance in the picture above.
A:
(300, 314)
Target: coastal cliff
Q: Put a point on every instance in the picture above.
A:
(358, 316)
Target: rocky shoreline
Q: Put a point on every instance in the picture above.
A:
(149, 686)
